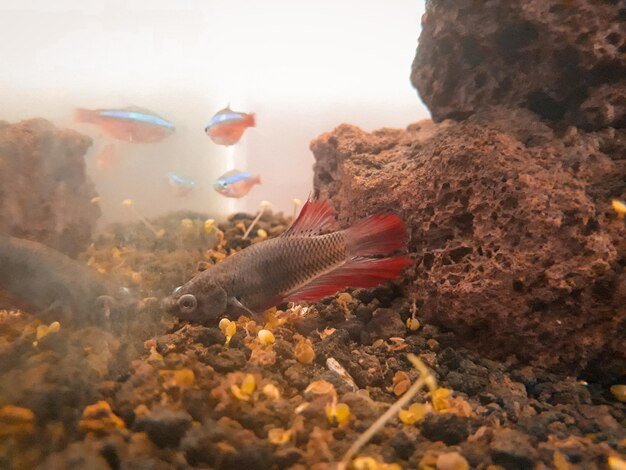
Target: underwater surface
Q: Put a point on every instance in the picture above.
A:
(179, 290)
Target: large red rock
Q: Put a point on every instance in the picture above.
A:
(516, 247)
(565, 60)
(45, 193)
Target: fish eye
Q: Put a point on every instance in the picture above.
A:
(187, 303)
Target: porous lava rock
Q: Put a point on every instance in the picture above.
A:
(516, 247)
(565, 60)
(45, 193)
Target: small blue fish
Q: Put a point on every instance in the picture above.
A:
(235, 183)
(182, 186)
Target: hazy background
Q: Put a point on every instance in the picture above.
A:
(302, 67)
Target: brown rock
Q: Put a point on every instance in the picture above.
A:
(517, 249)
(555, 58)
(45, 193)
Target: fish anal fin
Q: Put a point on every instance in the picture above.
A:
(357, 272)
(315, 218)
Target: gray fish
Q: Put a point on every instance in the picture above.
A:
(46, 280)
(304, 263)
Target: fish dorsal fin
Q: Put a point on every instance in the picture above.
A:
(315, 218)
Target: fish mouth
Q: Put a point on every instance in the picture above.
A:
(169, 305)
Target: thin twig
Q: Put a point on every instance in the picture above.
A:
(256, 219)
(426, 379)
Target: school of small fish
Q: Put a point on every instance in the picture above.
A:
(141, 126)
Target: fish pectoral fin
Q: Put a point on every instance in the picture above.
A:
(234, 302)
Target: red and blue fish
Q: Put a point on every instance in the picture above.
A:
(132, 124)
(235, 183)
(226, 127)
(181, 186)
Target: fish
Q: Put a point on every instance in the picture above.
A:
(306, 263)
(235, 183)
(46, 281)
(226, 127)
(132, 124)
(180, 185)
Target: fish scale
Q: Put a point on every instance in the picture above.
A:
(301, 264)
(301, 259)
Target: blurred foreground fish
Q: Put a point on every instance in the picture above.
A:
(227, 126)
(301, 264)
(132, 124)
(180, 185)
(235, 183)
(46, 280)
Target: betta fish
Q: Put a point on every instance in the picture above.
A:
(305, 263)
(235, 183)
(227, 126)
(49, 282)
(135, 125)
(180, 185)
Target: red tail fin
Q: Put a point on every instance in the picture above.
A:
(84, 115)
(363, 272)
(251, 121)
(379, 234)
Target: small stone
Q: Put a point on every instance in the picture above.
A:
(207, 336)
(363, 295)
(363, 313)
(449, 428)
(286, 457)
(403, 444)
(452, 461)
(512, 449)
(248, 456)
(164, 426)
(224, 360)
